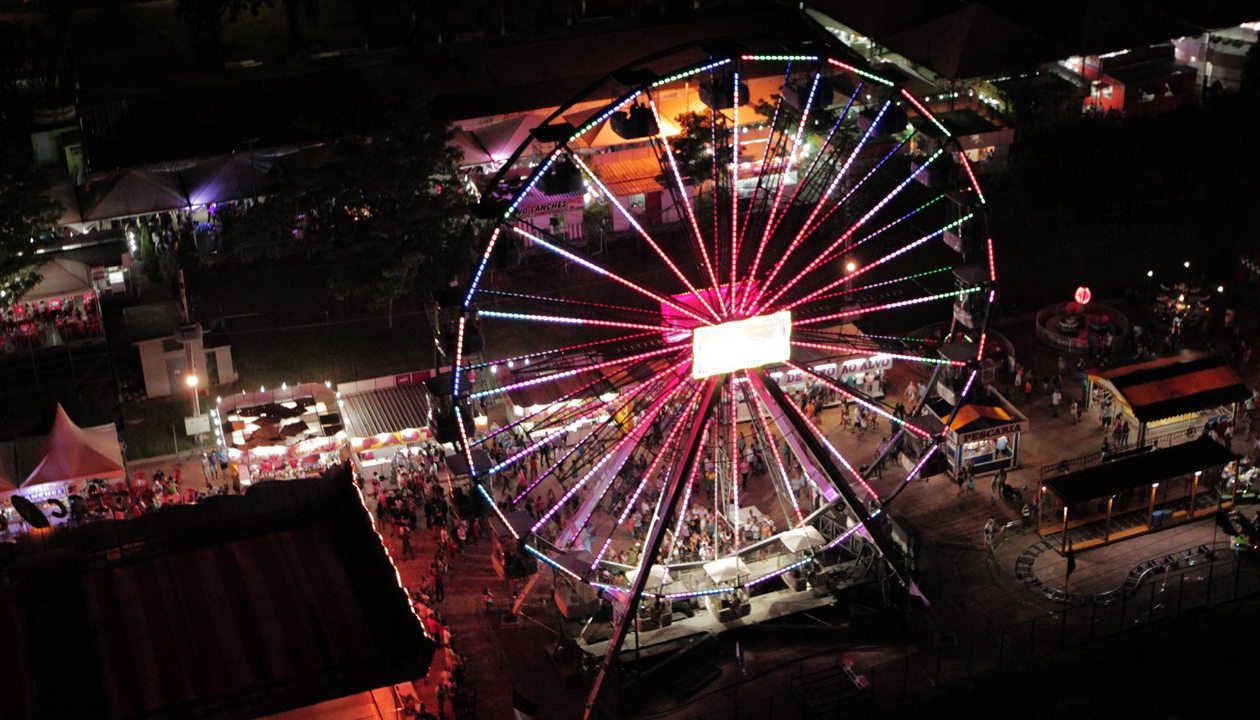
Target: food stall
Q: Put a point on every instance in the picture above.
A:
(386, 418)
(1169, 400)
(984, 433)
(281, 434)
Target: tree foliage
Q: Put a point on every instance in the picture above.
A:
(25, 214)
(691, 147)
(389, 213)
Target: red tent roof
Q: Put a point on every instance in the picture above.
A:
(71, 453)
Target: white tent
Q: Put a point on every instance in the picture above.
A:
(60, 278)
(71, 453)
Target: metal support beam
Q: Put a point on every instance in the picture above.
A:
(656, 534)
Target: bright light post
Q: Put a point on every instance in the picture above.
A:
(849, 269)
(192, 381)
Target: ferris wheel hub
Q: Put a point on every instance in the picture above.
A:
(741, 344)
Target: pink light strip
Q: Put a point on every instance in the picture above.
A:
(818, 157)
(809, 221)
(967, 387)
(885, 306)
(686, 198)
(609, 274)
(867, 268)
(623, 401)
(873, 353)
(564, 320)
(992, 262)
(570, 373)
(648, 417)
(861, 221)
(734, 417)
(559, 351)
(682, 508)
(925, 112)
(778, 193)
(862, 183)
(980, 350)
(975, 184)
(832, 448)
(566, 301)
(657, 459)
(857, 399)
(735, 185)
(644, 234)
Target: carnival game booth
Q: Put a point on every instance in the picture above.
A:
(984, 433)
(386, 417)
(1170, 400)
(68, 466)
(290, 432)
(1135, 494)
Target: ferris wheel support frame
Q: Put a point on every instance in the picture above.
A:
(678, 476)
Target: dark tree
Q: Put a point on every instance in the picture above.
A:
(26, 213)
(389, 213)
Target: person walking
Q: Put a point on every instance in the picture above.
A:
(1075, 411)
(989, 527)
(993, 488)
(1055, 399)
(404, 535)
(1025, 516)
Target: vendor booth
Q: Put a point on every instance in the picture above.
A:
(60, 466)
(386, 418)
(984, 433)
(282, 434)
(1138, 493)
(1169, 400)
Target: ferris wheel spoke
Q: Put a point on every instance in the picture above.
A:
(647, 237)
(877, 233)
(604, 272)
(806, 227)
(860, 399)
(572, 320)
(570, 373)
(566, 351)
(619, 449)
(864, 352)
(850, 276)
(822, 483)
(681, 421)
(886, 306)
(531, 300)
(827, 154)
(840, 241)
(557, 423)
(685, 196)
(787, 164)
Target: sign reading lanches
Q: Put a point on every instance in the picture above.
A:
(742, 344)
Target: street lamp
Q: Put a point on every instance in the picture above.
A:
(849, 269)
(192, 381)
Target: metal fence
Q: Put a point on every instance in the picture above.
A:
(823, 693)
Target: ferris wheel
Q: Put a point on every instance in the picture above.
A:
(668, 278)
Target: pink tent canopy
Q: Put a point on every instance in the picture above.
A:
(71, 453)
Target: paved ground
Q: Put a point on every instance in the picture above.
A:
(974, 588)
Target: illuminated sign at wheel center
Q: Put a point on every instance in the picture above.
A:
(742, 344)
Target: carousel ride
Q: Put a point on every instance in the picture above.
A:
(804, 198)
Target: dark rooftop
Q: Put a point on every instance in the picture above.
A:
(237, 607)
(1134, 471)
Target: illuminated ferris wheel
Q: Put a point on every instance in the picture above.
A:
(663, 274)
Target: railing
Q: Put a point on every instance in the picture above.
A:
(1188, 591)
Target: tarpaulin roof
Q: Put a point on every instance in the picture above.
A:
(241, 607)
(130, 193)
(388, 410)
(8, 467)
(1173, 386)
(229, 177)
(60, 278)
(72, 453)
(974, 417)
(1138, 470)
